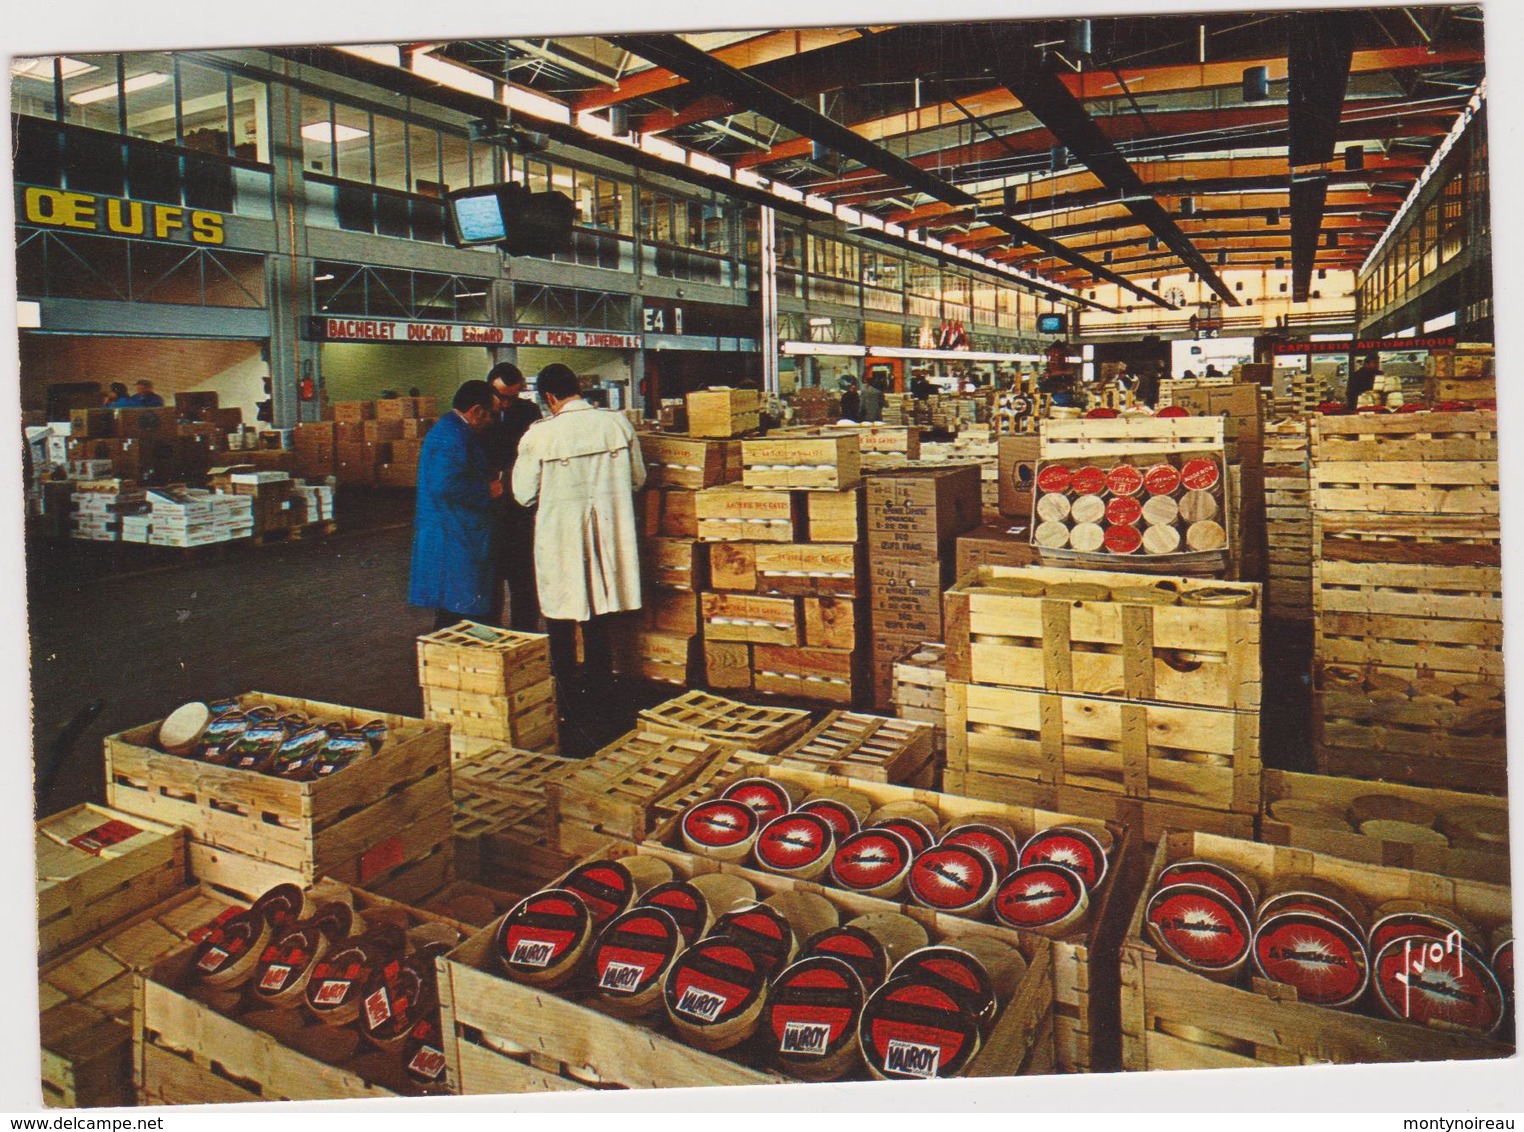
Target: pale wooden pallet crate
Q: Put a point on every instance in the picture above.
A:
(822, 463)
(723, 412)
(1173, 1018)
(689, 462)
(756, 728)
(867, 747)
(482, 659)
(728, 514)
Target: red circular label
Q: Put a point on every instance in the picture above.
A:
(228, 940)
(1088, 481)
(994, 843)
(684, 903)
(1322, 959)
(1054, 478)
(1309, 904)
(1403, 924)
(1199, 474)
(1124, 480)
(1435, 980)
(1171, 411)
(951, 878)
(1199, 926)
(712, 982)
(870, 859)
(913, 1030)
(854, 947)
(914, 832)
(762, 931)
(1207, 875)
(843, 820)
(1161, 479)
(634, 950)
(1038, 895)
(1124, 510)
(720, 824)
(794, 842)
(1122, 540)
(1101, 414)
(763, 795)
(1073, 848)
(604, 886)
(813, 1009)
(540, 932)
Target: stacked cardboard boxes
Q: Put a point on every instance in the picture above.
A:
(185, 517)
(914, 518)
(97, 508)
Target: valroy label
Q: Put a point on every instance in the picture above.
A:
(910, 1029)
(808, 1039)
(911, 1059)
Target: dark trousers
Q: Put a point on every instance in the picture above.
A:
(584, 692)
(443, 618)
(515, 565)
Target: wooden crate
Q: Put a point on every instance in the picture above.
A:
(1207, 656)
(675, 564)
(1426, 540)
(1084, 963)
(96, 867)
(1405, 437)
(1173, 1018)
(727, 665)
(730, 763)
(723, 412)
(483, 659)
(834, 516)
(524, 718)
(576, 1039)
(730, 514)
(507, 773)
(920, 689)
(832, 622)
(822, 463)
(654, 655)
(367, 825)
(791, 569)
(1298, 829)
(830, 675)
(1288, 521)
(187, 1052)
(744, 617)
(667, 513)
(1421, 727)
(1201, 758)
(478, 818)
(689, 462)
(1127, 436)
(1406, 463)
(671, 611)
(616, 790)
(85, 997)
(867, 747)
(763, 729)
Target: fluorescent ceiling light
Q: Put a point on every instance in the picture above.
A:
(324, 278)
(385, 53)
(136, 83)
(469, 294)
(43, 68)
(328, 132)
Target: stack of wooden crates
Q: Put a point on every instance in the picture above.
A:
(1288, 521)
(1116, 696)
(1407, 599)
(492, 686)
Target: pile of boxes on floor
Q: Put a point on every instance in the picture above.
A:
(369, 443)
(241, 504)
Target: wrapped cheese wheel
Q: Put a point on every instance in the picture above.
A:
(764, 932)
(874, 862)
(400, 995)
(715, 993)
(181, 731)
(725, 892)
(913, 1030)
(954, 970)
(952, 878)
(686, 904)
(1201, 929)
(769, 797)
(722, 828)
(335, 989)
(811, 1018)
(899, 934)
(1320, 957)
(796, 845)
(630, 961)
(543, 938)
(861, 950)
(606, 887)
(280, 978)
(1444, 984)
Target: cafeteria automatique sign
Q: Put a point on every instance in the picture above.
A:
(466, 334)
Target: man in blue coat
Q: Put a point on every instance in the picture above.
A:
(453, 570)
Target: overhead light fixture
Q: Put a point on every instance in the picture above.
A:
(1058, 158)
(132, 85)
(1079, 37)
(1256, 84)
(470, 294)
(330, 132)
(42, 68)
(1272, 216)
(1106, 256)
(1354, 157)
(326, 277)
(820, 322)
(1187, 206)
(818, 152)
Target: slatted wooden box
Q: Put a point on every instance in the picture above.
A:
(97, 867)
(486, 1014)
(730, 514)
(667, 513)
(834, 516)
(524, 718)
(85, 996)
(187, 1052)
(867, 747)
(652, 654)
(483, 659)
(382, 822)
(1288, 521)
(823, 463)
(1406, 463)
(727, 665)
(1173, 1018)
(1427, 540)
(766, 730)
(787, 568)
(1143, 762)
(1125, 646)
(689, 462)
(920, 689)
(675, 564)
(752, 619)
(1084, 991)
(828, 675)
(723, 412)
(1303, 811)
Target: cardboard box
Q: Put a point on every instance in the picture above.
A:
(1001, 545)
(1018, 468)
(143, 422)
(227, 420)
(376, 431)
(395, 409)
(425, 407)
(916, 510)
(194, 406)
(416, 428)
(351, 411)
(90, 423)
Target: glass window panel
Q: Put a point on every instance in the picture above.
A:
(251, 121)
(389, 141)
(679, 234)
(389, 293)
(317, 141)
(486, 164)
(393, 216)
(204, 109)
(233, 279)
(93, 162)
(32, 87)
(562, 180)
(536, 175)
(584, 187)
(423, 160)
(150, 86)
(455, 156)
(39, 153)
(89, 267)
(98, 86)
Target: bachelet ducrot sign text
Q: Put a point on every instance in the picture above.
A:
(461, 334)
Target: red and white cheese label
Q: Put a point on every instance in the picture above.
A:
(1161, 479)
(331, 992)
(378, 1008)
(1199, 474)
(543, 930)
(275, 977)
(1124, 480)
(766, 797)
(994, 843)
(843, 820)
(1208, 875)
(712, 982)
(814, 1007)
(911, 1029)
(427, 1062)
(794, 841)
(529, 952)
(1038, 896)
(1199, 927)
(912, 1059)
(721, 824)
(604, 886)
(1054, 479)
(914, 832)
(1070, 847)
(1122, 539)
(635, 950)
(1321, 958)
(870, 859)
(1439, 981)
(952, 878)
(212, 958)
(1124, 510)
(1088, 481)
(103, 836)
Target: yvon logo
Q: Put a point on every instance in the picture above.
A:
(912, 1059)
(809, 1039)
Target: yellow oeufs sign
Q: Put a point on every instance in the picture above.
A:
(57, 208)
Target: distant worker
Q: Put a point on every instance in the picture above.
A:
(145, 397)
(457, 513)
(872, 400)
(116, 397)
(921, 387)
(1362, 381)
(515, 561)
(851, 400)
(1212, 371)
(1147, 391)
(581, 467)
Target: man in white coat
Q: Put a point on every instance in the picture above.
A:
(582, 466)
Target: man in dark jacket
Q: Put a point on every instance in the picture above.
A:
(515, 560)
(453, 530)
(1363, 380)
(851, 401)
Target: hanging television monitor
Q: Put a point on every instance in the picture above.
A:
(1053, 324)
(521, 222)
(476, 216)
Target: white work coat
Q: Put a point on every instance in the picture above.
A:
(582, 467)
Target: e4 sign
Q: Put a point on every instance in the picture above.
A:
(58, 208)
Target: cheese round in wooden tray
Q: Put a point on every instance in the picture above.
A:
(796, 845)
(1053, 508)
(1200, 928)
(769, 797)
(1087, 537)
(631, 959)
(1043, 898)
(858, 948)
(722, 828)
(606, 887)
(811, 1018)
(1088, 509)
(1442, 983)
(1070, 846)
(948, 966)
(280, 978)
(335, 991)
(954, 879)
(874, 862)
(762, 931)
(991, 840)
(1320, 957)
(543, 938)
(1088, 480)
(685, 903)
(911, 1030)
(715, 993)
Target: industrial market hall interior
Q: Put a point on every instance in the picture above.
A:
(818, 554)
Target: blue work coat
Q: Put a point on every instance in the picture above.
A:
(453, 527)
